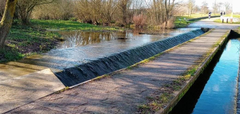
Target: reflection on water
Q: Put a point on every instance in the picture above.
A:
(218, 95)
(79, 38)
(81, 47)
(82, 38)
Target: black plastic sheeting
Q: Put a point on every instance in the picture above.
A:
(75, 75)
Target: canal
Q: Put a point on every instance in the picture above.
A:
(216, 89)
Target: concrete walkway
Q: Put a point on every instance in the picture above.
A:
(209, 23)
(25, 89)
(124, 92)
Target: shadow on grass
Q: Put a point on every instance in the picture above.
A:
(10, 54)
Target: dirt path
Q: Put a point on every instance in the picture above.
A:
(124, 92)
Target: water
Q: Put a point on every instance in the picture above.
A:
(83, 47)
(215, 91)
(130, 38)
(83, 72)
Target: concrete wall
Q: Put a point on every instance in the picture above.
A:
(117, 61)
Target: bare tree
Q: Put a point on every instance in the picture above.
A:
(89, 11)
(82, 10)
(168, 9)
(217, 7)
(6, 21)
(2, 6)
(161, 12)
(180, 9)
(123, 6)
(156, 12)
(25, 8)
(204, 7)
(61, 9)
(228, 8)
(109, 8)
(191, 5)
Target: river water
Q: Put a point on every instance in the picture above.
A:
(215, 91)
(81, 47)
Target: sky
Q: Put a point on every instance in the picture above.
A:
(235, 3)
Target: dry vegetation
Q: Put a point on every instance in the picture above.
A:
(122, 13)
(99, 12)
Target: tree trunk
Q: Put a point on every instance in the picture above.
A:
(6, 21)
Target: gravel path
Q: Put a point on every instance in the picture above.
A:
(122, 93)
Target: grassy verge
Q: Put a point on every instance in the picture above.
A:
(234, 16)
(219, 21)
(69, 25)
(183, 21)
(26, 40)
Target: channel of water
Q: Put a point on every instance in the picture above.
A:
(216, 89)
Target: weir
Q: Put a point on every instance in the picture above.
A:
(83, 72)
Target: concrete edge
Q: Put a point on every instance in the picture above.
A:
(191, 81)
(54, 85)
(237, 104)
(237, 110)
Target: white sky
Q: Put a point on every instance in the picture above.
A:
(235, 3)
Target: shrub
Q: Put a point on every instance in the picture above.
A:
(139, 20)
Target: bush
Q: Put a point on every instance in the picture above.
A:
(170, 23)
(61, 9)
(139, 20)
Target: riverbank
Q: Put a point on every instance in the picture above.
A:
(40, 36)
(184, 21)
(146, 88)
(234, 16)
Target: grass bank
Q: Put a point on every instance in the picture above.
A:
(36, 38)
(219, 21)
(183, 21)
(64, 25)
(234, 16)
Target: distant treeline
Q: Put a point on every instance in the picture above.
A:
(141, 13)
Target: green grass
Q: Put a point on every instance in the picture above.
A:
(38, 37)
(25, 40)
(196, 15)
(234, 16)
(22, 37)
(199, 15)
(69, 25)
(10, 55)
(219, 21)
(183, 21)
